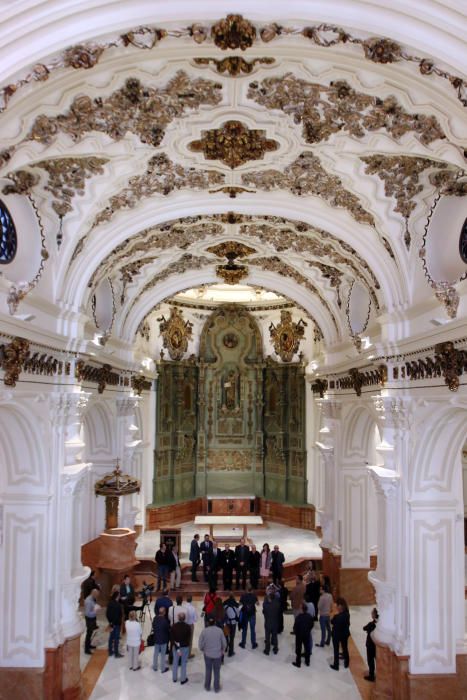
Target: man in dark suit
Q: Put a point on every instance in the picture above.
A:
(227, 564)
(242, 553)
(277, 564)
(127, 595)
(215, 564)
(205, 549)
(194, 556)
(271, 612)
(254, 562)
(302, 627)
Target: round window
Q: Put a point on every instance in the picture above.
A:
(463, 242)
(8, 238)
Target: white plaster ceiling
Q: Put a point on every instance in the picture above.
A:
(322, 185)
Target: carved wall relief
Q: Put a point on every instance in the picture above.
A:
(286, 336)
(175, 332)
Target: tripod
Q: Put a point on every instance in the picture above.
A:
(142, 611)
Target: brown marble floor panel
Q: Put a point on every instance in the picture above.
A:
(92, 671)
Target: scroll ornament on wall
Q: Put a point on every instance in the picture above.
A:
(175, 333)
(286, 336)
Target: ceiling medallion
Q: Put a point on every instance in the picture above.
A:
(175, 333)
(286, 336)
(234, 65)
(231, 273)
(233, 144)
(233, 32)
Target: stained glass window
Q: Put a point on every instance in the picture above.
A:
(8, 238)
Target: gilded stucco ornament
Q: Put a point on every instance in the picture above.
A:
(144, 330)
(233, 32)
(134, 108)
(451, 362)
(66, 178)
(286, 336)
(175, 333)
(12, 357)
(402, 180)
(82, 56)
(232, 272)
(223, 250)
(162, 176)
(324, 110)
(321, 250)
(306, 176)
(233, 144)
(234, 65)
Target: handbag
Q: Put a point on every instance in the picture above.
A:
(141, 646)
(150, 640)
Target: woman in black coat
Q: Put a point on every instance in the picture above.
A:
(341, 633)
(371, 646)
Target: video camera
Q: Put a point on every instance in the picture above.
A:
(146, 592)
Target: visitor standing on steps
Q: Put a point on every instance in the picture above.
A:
(194, 557)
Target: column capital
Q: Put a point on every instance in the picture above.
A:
(127, 404)
(331, 409)
(68, 406)
(73, 478)
(386, 481)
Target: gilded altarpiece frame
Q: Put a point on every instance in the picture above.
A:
(230, 421)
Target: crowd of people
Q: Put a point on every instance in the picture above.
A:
(174, 619)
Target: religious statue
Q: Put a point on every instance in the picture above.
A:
(231, 390)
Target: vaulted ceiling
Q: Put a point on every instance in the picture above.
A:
(316, 152)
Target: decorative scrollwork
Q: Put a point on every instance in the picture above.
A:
(286, 336)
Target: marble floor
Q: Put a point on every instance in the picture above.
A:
(249, 673)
